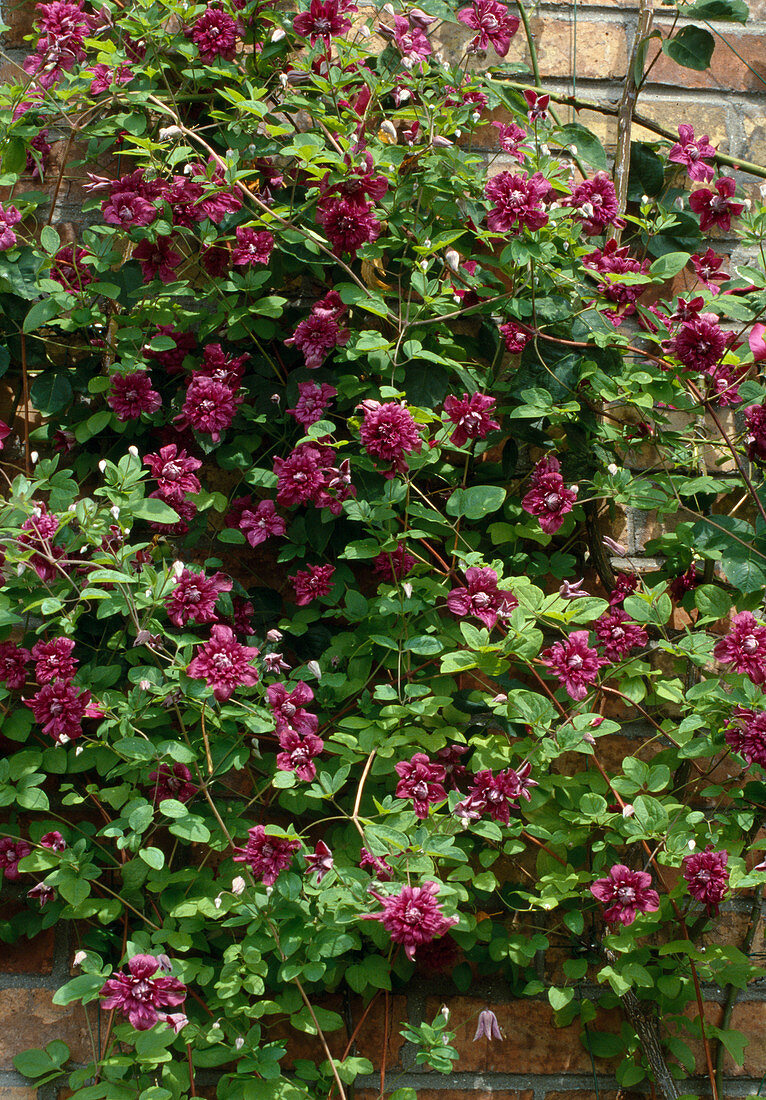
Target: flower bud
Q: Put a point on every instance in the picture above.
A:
(314, 666)
(168, 133)
(133, 451)
(239, 1042)
(388, 128)
(238, 885)
(407, 588)
(628, 810)
(102, 465)
(278, 34)
(365, 31)
(452, 258)
(114, 512)
(274, 636)
(178, 568)
(33, 458)
(79, 958)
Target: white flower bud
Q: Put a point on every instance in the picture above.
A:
(278, 35)
(168, 133)
(762, 191)
(102, 465)
(628, 810)
(114, 511)
(79, 958)
(692, 844)
(178, 568)
(747, 203)
(613, 468)
(389, 9)
(407, 588)
(423, 265)
(238, 885)
(274, 636)
(34, 457)
(573, 149)
(239, 1042)
(445, 1013)
(365, 31)
(388, 128)
(133, 451)
(679, 203)
(545, 149)
(269, 891)
(645, 200)
(500, 699)
(217, 904)
(313, 666)
(145, 685)
(452, 258)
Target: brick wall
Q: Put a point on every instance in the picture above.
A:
(536, 1061)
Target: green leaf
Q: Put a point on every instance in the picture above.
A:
(559, 998)
(156, 511)
(85, 988)
(692, 47)
(40, 313)
(49, 239)
(589, 148)
(191, 828)
(476, 502)
(725, 11)
(154, 857)
(14, 156)
(669, 265)
(711, 601)
(33, 1063)
(51, 391)
(647, 172)
(171, 807)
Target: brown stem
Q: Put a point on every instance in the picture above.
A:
(626, 109)
(192, 1090)
(25, 398)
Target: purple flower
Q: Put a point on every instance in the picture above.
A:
(518, 202)
(381, 870)
(131, 395)
(288, 708)
(311, 583)
(104, 78)
(158, 259)
(127, 209)
(224, 664)
(708, 269)
(747, 735)
(9, 216)
(716, 208)
(744, 647)
(394, 564)
(312, 401)
(42, 893)
(54, 660)
(215, 34)
(624, 584)
(221, 367)
(210, 406)
(494, 24)
(707, 877)
(298, 752)
(755, 435)
(388, 433)
(421, 780)
(266, 855)
(261, 524)
(172, 782)
(252, 247)
(300, 476)
(348, 224)
(487, 1026)
(618, 634)
(573, 590)
(12, 849)
(516, 338)
(325, 19)
(510, 137)
(625, 893)
(59, 709)
(692, 154)
(194, 597)
(174, 472)
(548, 497)
(138, 995)
(594, 203)
(574, 663)
(494, 793)
(13, 665)
(320, 861)
(321, 331)
(481, 598)
(700, 343)
(409, 39)
(54, 841)
(471, 416)
(537, 106)
(412, 917)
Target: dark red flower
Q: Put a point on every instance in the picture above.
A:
(54, 660)
(215, 34)
(68, 268)
(412, 917)
(12, 849)
(548, 497)
(13, 665)
(158, 259)
(692, 153)
(594, 202)
(320, 861)
(224, 664)
(700, 343)
(210, 406)
(574, 663)
(744, 647)
(518, 202)
(311, 583)
(716, 207)
(138, 994)
(321, 331)
(298, 754)
(481, 597)
(394, 563)
(262, 523)
(174, 472)
(707, 877)
(625, 893)
(618, 634)
(388, 432)
(172, 782)
(755, 432)
(746, 734)
(516, 338)
(421, 780)
(266, 855)
(59, 709)
(131, 394)
(494, 24)
(194, 597)
(325, 19)
(312, 402)
(348, 224)
(471, 416)
(252, 247)
(708, 269)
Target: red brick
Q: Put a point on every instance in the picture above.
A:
(18, 17)
(726, 70)
(369, 1041)
(26, 956)
(36, 1020)
(532, 1044)
(14, 1092)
